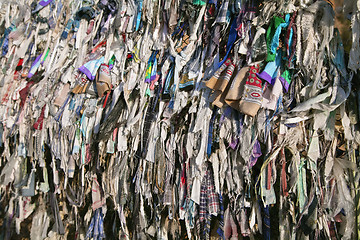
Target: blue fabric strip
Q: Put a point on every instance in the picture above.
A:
(231, 41)
(276, 38)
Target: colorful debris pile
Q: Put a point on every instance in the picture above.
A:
(178, 119)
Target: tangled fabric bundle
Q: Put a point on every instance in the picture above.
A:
(178, 120)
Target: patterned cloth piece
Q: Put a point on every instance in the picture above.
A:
(209, 202)
(213, 197)
(215, 82)
(223, 13)
(220, 229)
(253, 90)
(96, 227)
